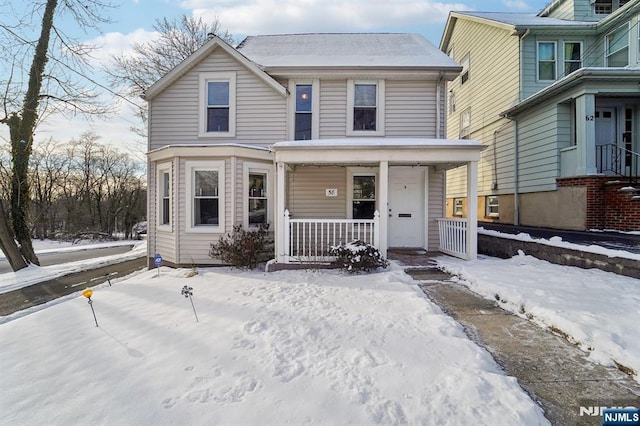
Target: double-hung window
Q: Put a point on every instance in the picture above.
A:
(466, 65)
(205, 196)
(617, 47)
(363, 196)
(465, 124)
(365, 110)
(492, 206)
(304, 114)
(217, 104)
(164, 196)
(572, 57)
(458, 207)
(546, 60)
(257, 189)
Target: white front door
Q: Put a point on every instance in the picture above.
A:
(406, 208)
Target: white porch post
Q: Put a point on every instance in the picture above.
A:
(383, 206)
(472, 210)
(586, 134)
(280, 229)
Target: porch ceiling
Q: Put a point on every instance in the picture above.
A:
(347, 151)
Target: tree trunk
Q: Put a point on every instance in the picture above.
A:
(8, 244)
(21, 128)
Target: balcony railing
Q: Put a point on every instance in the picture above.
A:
(309, 240)
(614, 159)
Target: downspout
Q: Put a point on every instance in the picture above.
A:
(516, 163)
(439, 107)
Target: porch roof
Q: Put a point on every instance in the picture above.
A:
(373, 150)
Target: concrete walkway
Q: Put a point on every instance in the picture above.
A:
(554, 372)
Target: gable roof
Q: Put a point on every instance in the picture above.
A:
(345, 50)
(212, 44)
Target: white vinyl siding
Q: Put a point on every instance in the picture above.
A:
(436, 207)
(307, 198)
(333, 104)
(261, 112)
(410, 109)
(164, 241)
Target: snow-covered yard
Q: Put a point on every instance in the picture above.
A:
(286, 347)
(317, 347)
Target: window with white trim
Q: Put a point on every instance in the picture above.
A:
(217, 104)
(457, 207)
(465, 124)
(492, 203)
(205, 196)
(572, 56)
(363, 196)
(257, 198)
(617, 47)
(546, 60)
(365, 107)
(466, 65)
(304, 112)
(164, 196)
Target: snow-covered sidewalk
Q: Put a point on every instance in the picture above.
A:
(34, 274)
(599, 311)
(286, 347)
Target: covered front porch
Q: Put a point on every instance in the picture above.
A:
(385, 192)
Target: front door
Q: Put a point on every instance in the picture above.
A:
(605, 139)
(406, 207)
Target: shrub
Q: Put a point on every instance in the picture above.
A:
(358, 256)
(243, 248)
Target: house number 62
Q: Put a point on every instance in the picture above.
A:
(589, 117)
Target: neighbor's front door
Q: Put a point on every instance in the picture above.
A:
(605, 138)
(406, 207)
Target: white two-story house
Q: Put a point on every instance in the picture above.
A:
(325, 137)
(555, 97)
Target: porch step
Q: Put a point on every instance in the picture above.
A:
(429, 274)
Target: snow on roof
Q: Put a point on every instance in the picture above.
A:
(378, 143)
(396, 50)
(526, 19)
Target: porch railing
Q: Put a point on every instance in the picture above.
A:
(619, 161)
(309, 240)
(453, 237)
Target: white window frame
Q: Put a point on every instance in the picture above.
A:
(162, 169)
(638, 39)
(260, 168)
(458, 206)
(555, 59)
(315, 107)
(488, 205)
(465, 74)
(465, 124)
(205, 78)
(564, 58)
(380, 110)
(190, 168)
(359, 171)
(607, 53)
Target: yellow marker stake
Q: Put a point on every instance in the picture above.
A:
(88, 293)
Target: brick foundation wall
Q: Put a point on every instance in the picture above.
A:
(607, 206)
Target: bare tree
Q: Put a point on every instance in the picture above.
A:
(52, 86)
(177, 39)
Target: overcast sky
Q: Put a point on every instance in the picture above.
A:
(134, 19)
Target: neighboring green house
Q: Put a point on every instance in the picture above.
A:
(556, 98)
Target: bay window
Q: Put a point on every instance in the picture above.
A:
(205, 196)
